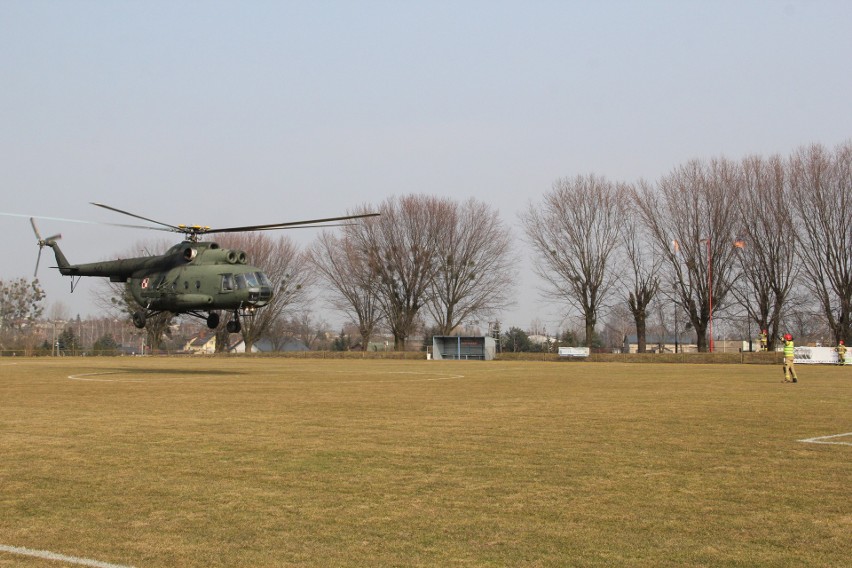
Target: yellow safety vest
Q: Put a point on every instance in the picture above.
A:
(789, 349)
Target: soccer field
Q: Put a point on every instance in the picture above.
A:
(164, 462)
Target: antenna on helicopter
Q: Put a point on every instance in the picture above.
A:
(42, 243)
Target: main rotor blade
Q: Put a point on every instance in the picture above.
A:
(290, 225)
(172, 227)
(193, 232)
(309, 226)
(126, 226)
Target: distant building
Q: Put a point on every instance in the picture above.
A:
(655, 343)
(668, 344)
(202, 344)
(205, 344)
(731, 346)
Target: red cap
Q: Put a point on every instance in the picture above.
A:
(788, 337)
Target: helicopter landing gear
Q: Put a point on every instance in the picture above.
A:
(234, 325)
(139, 319)
(213, 320)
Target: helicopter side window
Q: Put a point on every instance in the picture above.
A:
(227, 282)
(198, 284)
(186, 285)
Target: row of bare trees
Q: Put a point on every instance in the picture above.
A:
(455, 260)
(708, 236)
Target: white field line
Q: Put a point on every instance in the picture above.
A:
(87, 377)
(47, 555)
(824, 440)
(94, 377)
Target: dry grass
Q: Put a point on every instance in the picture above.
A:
(276, 462)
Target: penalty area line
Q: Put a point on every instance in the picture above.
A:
(47, 555)
(825, 440)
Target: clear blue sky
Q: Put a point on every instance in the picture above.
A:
(232, 113)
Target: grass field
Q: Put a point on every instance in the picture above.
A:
(156, 462)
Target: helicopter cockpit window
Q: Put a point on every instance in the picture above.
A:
(264, 281)
(227, 282)
(251, 280)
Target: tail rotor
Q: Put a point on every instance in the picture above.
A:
(42, 243)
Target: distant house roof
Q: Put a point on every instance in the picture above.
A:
(200, 340)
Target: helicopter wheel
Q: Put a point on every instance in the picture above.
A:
(234, 326)
(213, 320)
(139, 319)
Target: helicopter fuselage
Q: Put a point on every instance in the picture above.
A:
(189, 277)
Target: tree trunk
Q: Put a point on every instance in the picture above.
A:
(641, 333)
(590, 330)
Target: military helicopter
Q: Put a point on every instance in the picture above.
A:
(193, 277)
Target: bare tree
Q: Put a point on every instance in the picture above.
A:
(475, 268)
(766, 250)
(345, 268)
(574, 233)
(820, 183)
(287, 269)
(642, 282)
(401, 245)
(303, 328)
(58, 311)
(692, 217)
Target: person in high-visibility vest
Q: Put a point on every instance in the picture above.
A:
(841, 353)
(763, 340)
(789, 354)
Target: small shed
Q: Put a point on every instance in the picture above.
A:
(457, 347)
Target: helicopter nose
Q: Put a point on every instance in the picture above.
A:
(260, 295)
